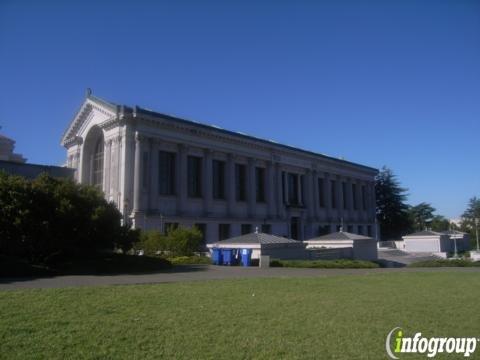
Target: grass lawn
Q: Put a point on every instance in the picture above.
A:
(344, 317)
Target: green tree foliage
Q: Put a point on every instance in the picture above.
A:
(440, 223)
(392, 211)
(179, 241)
(421, 215)
(48, 218)
(468, 219)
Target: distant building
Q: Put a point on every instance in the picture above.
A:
(162, 170)
(15, 164)
(355, 246)
(7, 146)
(440, 243)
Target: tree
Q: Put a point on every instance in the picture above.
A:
(392, 211)
(468, 218)
(179, 241)
(421, 215)
(49, 219)
(441, 223)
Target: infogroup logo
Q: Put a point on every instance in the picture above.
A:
(417, 344)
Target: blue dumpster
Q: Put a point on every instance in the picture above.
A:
(216, 256)
(227, 255)
(246, 257)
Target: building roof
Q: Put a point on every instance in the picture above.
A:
(6, 138)
(342, 236)
(137, 110)
(453, 232)
(425, 233)
(258, 238)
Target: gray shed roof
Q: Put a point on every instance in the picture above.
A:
(259, 238)
(341, 235)
(425, 233)
(453, 232)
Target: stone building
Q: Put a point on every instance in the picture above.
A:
(162, 170)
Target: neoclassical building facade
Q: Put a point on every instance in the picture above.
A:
(164, 171)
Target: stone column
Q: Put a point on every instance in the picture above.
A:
(121, 167)
(279, 191)
(107, 167)
(328, 195)
(230, 185)
(137, 180)
(315, 195)
(339, 187)
(310, 199)
(251, 188)
(207, 182)
(349, 188)
(153, 188)
(285, 186)
(270, 190)
(181, 181)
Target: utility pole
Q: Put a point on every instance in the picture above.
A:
(476, 231)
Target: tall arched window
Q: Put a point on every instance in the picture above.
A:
(97, 168)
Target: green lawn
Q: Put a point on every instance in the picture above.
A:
(344, 317)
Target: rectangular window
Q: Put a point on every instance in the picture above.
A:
(354, 196)
(323, 230)
(166, 173)
(364, 198)
(240, 182)
(369, 230)
(194, 176)
(246, 229)
(223, 231)
(218, 168)
(292, 189)
(344, 195)
(350, 228)
(360, 230)
(260, 184)
(321, 193)
(145, 170)
(295, 228)
(203, 229)
(333, 193)
(266, 228)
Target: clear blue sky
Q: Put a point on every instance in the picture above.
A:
(393, 83)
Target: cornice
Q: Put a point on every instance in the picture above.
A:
(275, 153)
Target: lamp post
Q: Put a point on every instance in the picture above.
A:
(455, 254)
(477, 220)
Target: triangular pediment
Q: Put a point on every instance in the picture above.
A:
(94, 111)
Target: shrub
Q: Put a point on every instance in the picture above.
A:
(47, 219)
(190, 260)
(325, 264)
(445, 263)
(179, 241)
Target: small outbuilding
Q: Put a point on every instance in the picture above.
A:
(439, 243)
(462, 239)
(350, 245)
(262, 244)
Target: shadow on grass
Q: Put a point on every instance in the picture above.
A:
(13, 270)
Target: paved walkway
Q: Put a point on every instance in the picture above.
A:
(201, 272)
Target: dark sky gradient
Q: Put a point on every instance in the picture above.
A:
(392, 83)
